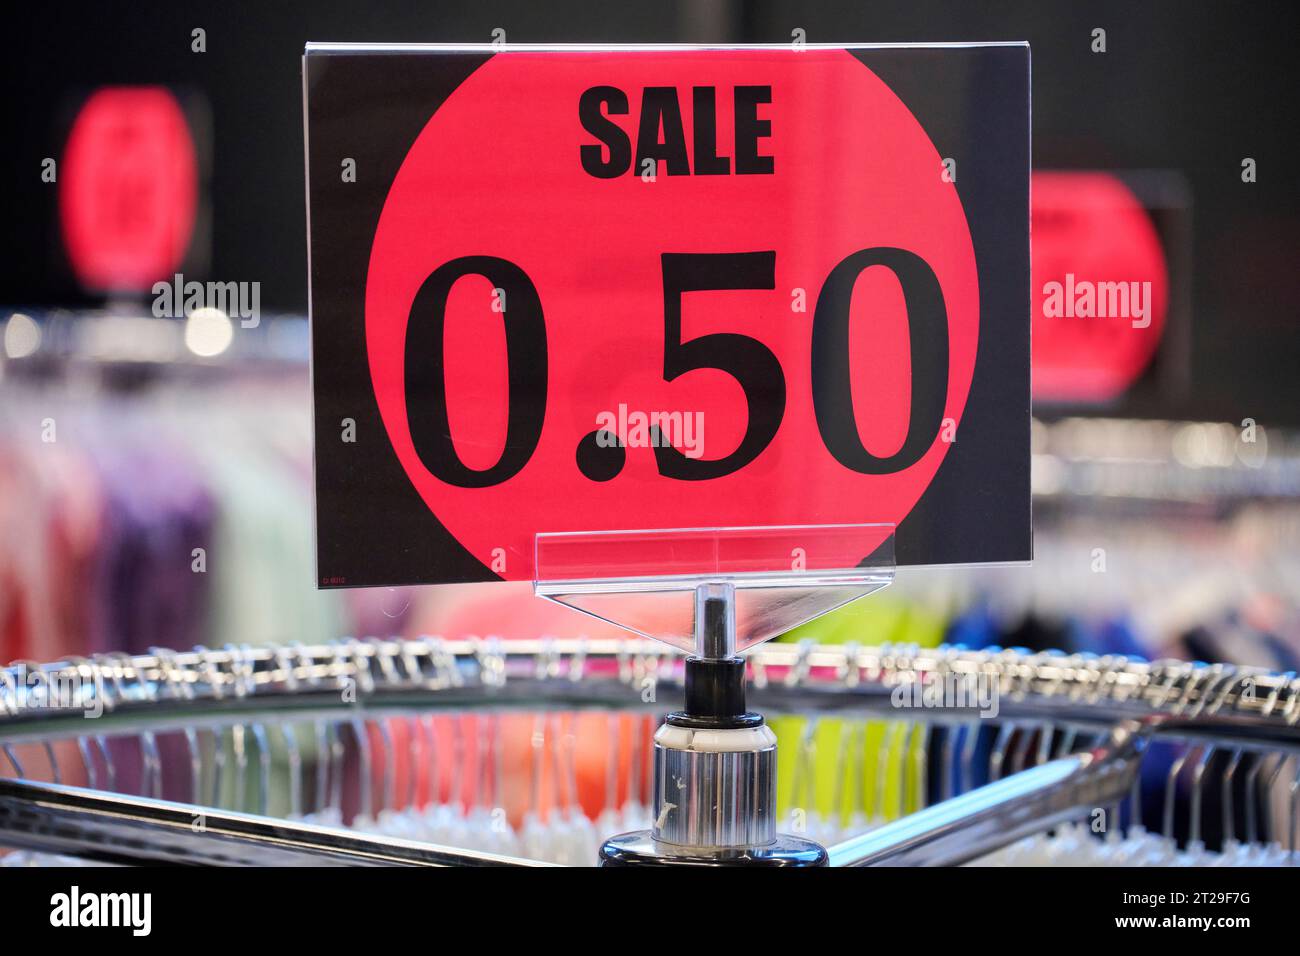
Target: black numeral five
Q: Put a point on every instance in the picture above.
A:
(748, 361)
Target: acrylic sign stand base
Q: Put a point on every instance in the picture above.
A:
(714, 592)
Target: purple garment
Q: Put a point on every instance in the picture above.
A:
(156, 512)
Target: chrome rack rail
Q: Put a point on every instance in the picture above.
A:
(1120, 701)
(972, 824)
(221, 686)
(115, 828)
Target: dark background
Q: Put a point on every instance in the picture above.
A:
(1190, 86)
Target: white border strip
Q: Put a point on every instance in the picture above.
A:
(316, 47)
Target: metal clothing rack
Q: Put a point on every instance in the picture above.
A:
(1073, 730)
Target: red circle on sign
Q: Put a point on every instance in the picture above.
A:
(128, 188)
(496, 172)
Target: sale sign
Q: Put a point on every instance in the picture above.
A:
(129, 190)
(1100, 287)
(576, 289)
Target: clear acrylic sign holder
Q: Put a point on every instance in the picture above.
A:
(714, 592)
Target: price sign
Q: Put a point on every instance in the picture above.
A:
(129, 188)
(610, 289)
(1100, 285)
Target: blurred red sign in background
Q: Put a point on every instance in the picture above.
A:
(1100, 286)
(128, 188)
